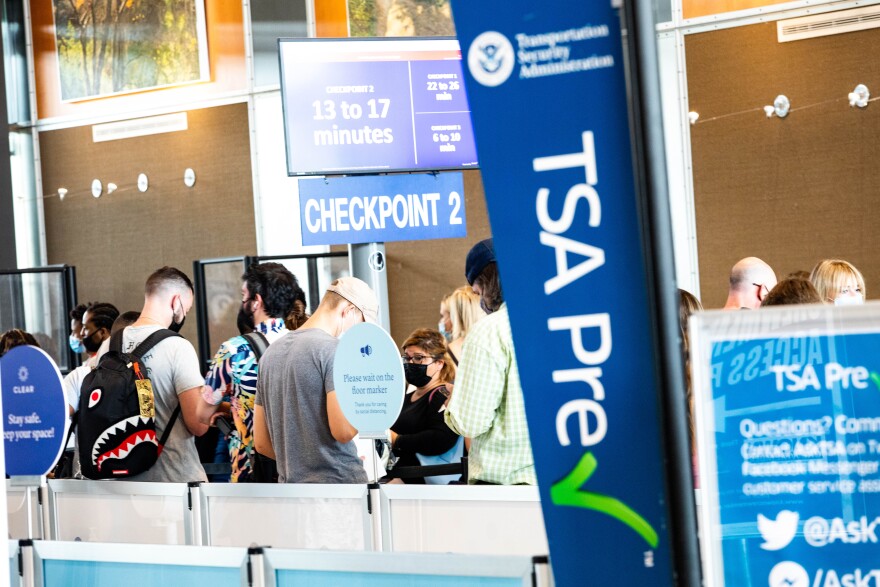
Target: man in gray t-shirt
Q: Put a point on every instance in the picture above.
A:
(301, 362)
(297, 418)
(173, 370)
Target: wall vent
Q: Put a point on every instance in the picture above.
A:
(829, 23)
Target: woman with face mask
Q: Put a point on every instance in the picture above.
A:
(420, 427)
(462, 310)
(838, 282)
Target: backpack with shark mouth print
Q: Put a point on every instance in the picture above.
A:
(116, 431)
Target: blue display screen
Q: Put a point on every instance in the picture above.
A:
(366, 106)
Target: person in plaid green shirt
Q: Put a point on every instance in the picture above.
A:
(487, 401)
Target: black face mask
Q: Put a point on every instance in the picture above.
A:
(176, 326)
(90, 344)
(416, 374)
(244, 322)
(245, 319)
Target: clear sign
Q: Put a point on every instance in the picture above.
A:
(369, 381)
(34, 411)
(374, 209)
(790, 446)
(548, 102)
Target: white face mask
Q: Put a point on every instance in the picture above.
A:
(856, 300)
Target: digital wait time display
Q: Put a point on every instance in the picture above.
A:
(354, 106)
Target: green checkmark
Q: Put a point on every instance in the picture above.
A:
(567, 492)
(876, 379)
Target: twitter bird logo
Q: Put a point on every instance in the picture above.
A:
(778, 533)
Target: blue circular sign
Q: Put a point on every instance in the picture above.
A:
(34, 411)
(368, 377)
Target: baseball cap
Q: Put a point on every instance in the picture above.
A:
(479, 256)
(358, 293)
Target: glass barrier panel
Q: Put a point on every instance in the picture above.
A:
(36, 302)
(329, 268)
(222, 289)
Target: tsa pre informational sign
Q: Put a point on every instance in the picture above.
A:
(34, 411)
(790, 439)
(374, 209)
(546, 86)
(368, 377)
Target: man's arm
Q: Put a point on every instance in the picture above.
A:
(340, 427)
(262, 441)
(191, 406)
(204, 410)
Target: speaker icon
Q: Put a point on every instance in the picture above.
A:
(366, 351)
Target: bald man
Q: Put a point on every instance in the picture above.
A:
(751, 279)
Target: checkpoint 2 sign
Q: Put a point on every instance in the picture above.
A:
(370, 209)
(547, 92)
(34, 411)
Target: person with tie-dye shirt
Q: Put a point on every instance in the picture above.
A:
(270, 293)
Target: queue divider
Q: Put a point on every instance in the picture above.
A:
(490, 520)
(297, 516)
(26, 514)
(121, 511)
(26, 562)
(12, 551)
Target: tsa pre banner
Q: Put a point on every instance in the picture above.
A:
(547, 92)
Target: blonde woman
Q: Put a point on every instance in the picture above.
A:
(464, 310)
(838, 282)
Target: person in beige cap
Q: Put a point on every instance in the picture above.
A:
(297, 417)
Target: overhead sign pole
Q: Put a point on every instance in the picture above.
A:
(582, 251)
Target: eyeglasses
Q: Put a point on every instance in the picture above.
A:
(415, 359)
(762, 286)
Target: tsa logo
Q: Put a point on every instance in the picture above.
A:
(491, 58)
(23, 373)
(778, 533)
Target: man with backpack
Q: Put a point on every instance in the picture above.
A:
(268, 295)
(152, 375)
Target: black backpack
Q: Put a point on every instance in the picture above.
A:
(116, 434)
(265, 469)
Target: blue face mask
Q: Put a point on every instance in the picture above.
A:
(76, 345)
(441, 326)
(856, 300)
